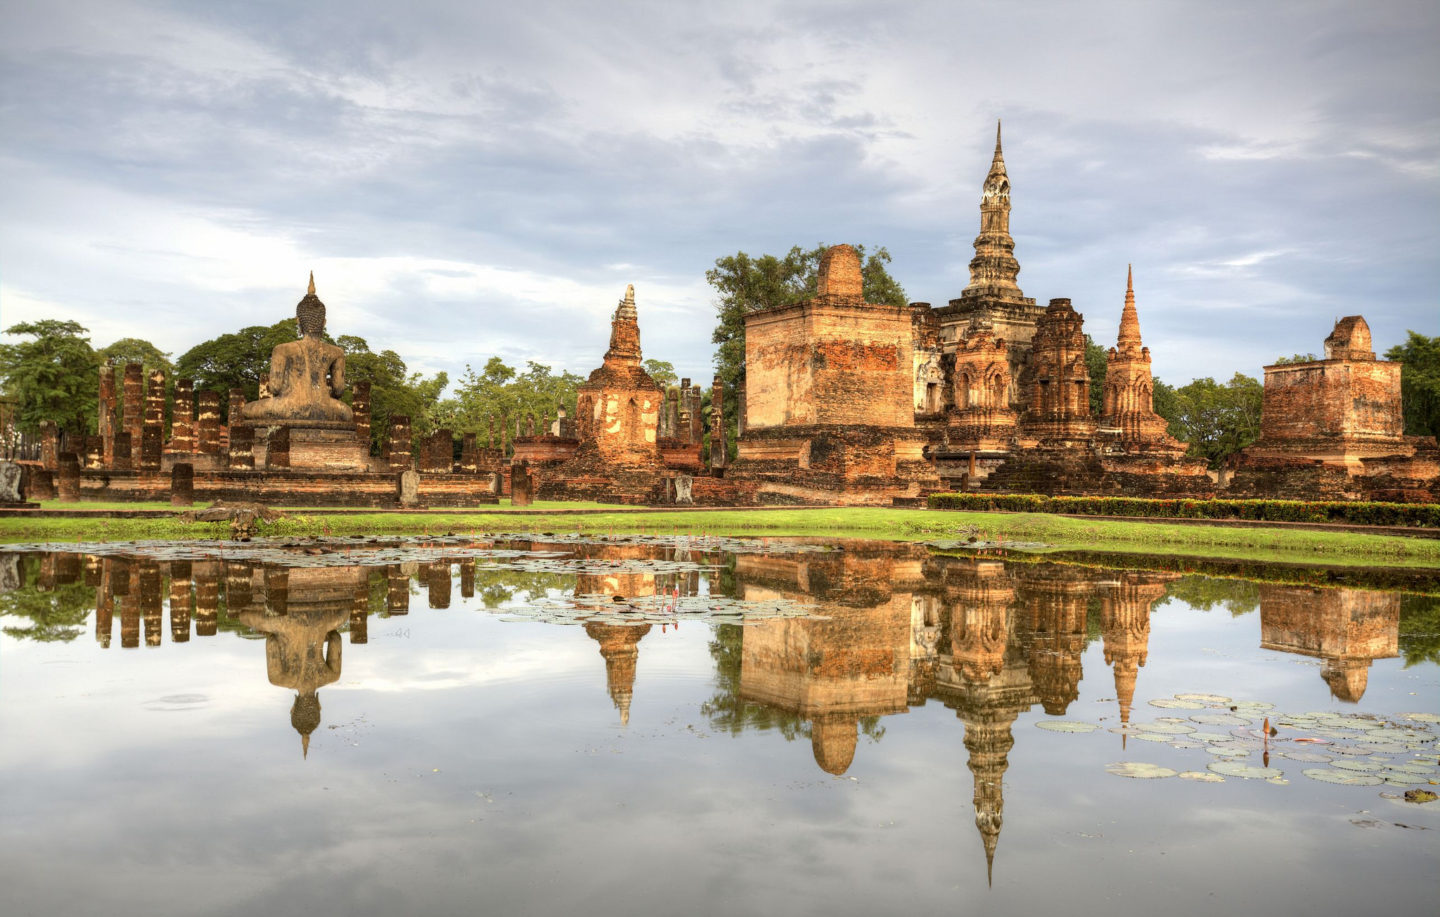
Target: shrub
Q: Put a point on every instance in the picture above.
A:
(1345, 512)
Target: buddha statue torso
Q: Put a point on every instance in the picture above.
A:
(306, 376)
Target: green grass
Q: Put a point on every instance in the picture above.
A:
(502, 507)
(1253, 544)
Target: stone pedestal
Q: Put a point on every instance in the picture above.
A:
(182, 484)
(326, 450)
(68, 478)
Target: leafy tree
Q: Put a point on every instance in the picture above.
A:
(663, 372)
(747, 284)
(1166, 400)
(57, 614)
(501, 392)
(51, 377)
(1095, 357)
(1420, 628)
(1419, 383)
(1205, 593)
(1218, 420)
(392, 391)
(1295, 358)
(136, 350)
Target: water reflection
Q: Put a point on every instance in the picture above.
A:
(899, 627)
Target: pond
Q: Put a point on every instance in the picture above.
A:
(634, 724)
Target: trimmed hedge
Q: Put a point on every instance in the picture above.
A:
(1349, 513)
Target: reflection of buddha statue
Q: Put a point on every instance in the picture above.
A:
(306, 376)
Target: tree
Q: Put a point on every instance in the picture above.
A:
(1096, 363)
(663, 372)
(504, 394)
(1295, 358)
(747, 284)
(1218, 420)
(392, 391)
(52, 377)
(136, 350)
(1419, 383)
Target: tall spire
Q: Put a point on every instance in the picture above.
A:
(311, 290)
(626, 309)
(993, 269)
(1129, 318)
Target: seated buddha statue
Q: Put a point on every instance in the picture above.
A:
(306, 376)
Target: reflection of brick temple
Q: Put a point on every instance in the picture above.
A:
(1125, 627)
(834, 672)
(1053, 604)
(619, 643)
(1346, 628)
(620, 646)
(301, 616)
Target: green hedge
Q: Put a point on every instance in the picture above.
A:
(1350, 513)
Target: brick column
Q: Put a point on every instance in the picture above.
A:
(399, 442)
(49, 445)
(207, 423)
(180, 601)
(469, 455)
(106, 411)
(182, 418)
(155, 399)
(121, 461)
(207, 598)
(182, 484)
(68, 478)
(132, 408)
(360, 405)
(277, 449)
(718, 452)
(242, 448)
(150, 447)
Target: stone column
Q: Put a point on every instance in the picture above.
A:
(521, 485)
(123, 452)
(719, 454)
(360, 612)
(182, 418)
(399, 442)
(151, 443)
(277, 449)
(49, 445)
(208, 422)
(697, 421)
(437, 584)
(407, 488)
(469, 454)
(132, 408)
(237, 404)
(242, 447)
(155, 399)
(360, 405)
(106, 411)
(182, 484)
(397, 596)
(68, 478)
(180, 601)
(207, 598)
(683, 415)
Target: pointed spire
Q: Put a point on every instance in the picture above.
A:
(305, 747)
(1129, 318)
(997, 162)
(999, 156)
(626, 308)
(311, 290)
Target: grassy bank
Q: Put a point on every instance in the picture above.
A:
(1253, 544)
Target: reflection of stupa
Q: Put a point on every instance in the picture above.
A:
(837, 671)
(1125, 627)
(1346, 628)
(980, 594)
(303, 612)
(620, 645)
(1054, 600)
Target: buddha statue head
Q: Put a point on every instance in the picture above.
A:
(310, 312)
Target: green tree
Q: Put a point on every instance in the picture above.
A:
(747, 284)
(54, 614)
(504, 394)
(1419, 383)
(663, 372)
(393, 390)
(1295, 358)
(1095, 362)
(51, 377)
(137, 350)
(1218, 420)
(1166, 401)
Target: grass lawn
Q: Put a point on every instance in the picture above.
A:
(1098, 533)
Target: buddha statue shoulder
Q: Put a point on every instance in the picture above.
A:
(307, 376)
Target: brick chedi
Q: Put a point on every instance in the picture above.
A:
(829, 416)
(1057, 381)
(1129, 391)
(981, 426)
(993, 292)
(617, 457)
(1334, 428)
(1345, 628)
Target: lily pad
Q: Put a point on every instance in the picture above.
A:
(1138, 769)
(1152, 737)
(1225, 751)
(1344, 778)
(1308, 757)
(1066, 726)
(1171, 703)
(1201, 777)
(1220, 719)
(1205, 698)
(1248, 771)
(1359, 767)
(1421, 717)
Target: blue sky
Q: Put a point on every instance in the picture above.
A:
(470, 179)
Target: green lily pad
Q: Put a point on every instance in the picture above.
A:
(1180, 728)
(1172, 703)
(1205, 698)
(1308, 757)
(1421, 717)
(1344, 778)
(1201, 776)
(1138, 769)
(1066, 726)
(1211, 737)
(1223, 751)
(1152, 737)
(1248, 771)
(1220, 719)
(1360, 767)
(1401, 778)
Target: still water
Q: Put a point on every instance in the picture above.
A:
(675, 726)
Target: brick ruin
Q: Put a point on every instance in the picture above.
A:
(828, 416)
(1333, 428)
(298, 444)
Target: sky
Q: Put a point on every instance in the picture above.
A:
(473, 178)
